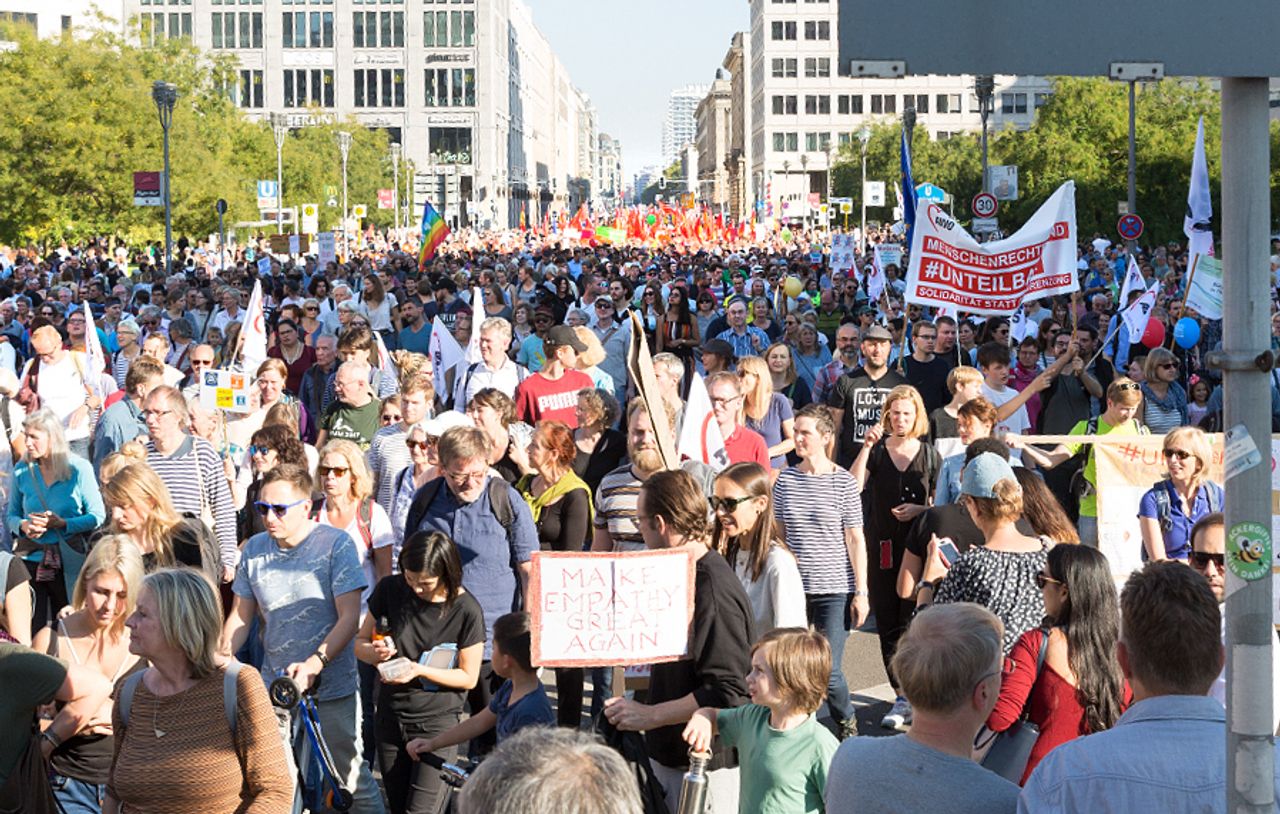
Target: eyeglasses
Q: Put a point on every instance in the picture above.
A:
(724, 401)
(604, 306)
(411, 444)
(927, 337)
(390, 418)
(1043, 579)
(147, 415)
(278, 509)
(312, 308)
(1201, 559)
(1169, 366)
(727, 504)
(1180, 454)
(336, 471)
(466, 477)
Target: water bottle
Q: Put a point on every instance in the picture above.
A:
(693, 788)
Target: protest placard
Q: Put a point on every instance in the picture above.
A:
(606, 609)
(948, 267)
(225, 390)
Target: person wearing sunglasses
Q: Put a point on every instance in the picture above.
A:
(420, 441)
(303, 580)
(1169, 510)
(1080, 689)
(268, 448)
(1164, 399)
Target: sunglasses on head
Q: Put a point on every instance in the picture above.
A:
(263, 508)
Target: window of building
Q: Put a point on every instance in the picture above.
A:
(1012, 104)
(248, 91)
(817, 67)
(917, 102)
(66, 22)
(817, 29)
(27, 19)
(308, 86)
(783, 30)
(947, 103)
(449, 29)
(450, 87)
(817, 105)
(817, 142)
(308, 29)
(161, 26)
(450, 145)
(379, 87)
(237, 29)
(884, 103)
(1041, 100)
(378, 29)
(793, 142)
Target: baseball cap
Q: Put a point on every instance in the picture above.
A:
(564, 336)
(983, 473)
(876, 332)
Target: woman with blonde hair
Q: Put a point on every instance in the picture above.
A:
(177, 749)
(786, 381)
(1170, 509)
(347, 503)
(898, 469)
(765, 411)
(54, 507)
(142, 511)
(93, 635)
(1164, 400)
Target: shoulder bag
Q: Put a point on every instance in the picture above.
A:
(1007, 752)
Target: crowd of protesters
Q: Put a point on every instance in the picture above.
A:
(367, 532)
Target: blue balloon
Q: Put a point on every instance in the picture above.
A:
(1186, 333)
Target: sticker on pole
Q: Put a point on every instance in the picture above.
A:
(1249, 551)
(984, 205)
(1240, 453)
(1130, 226)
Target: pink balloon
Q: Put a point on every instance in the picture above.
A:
(1153, 335)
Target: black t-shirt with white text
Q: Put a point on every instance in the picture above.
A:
(861, 398)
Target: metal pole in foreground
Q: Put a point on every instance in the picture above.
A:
(395, 183)
(1133, 159)
(165, 95)
(344, 147)
(864, 136)
(984, 87)
(279, 130)
(1246, 360)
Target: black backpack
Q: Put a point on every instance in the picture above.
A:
(499, 502)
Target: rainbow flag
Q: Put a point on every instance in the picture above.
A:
(434, 232)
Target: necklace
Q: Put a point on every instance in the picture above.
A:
(285, 353)
(155, 716)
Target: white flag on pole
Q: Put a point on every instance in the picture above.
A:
(253, 333)
(446, 353)
(1197, 225)
(1137, 315)
(385, 363)
(1133, 281)
(93, 349)
(477, 316)
(700, 437)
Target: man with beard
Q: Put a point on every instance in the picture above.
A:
(845, 359)
(858, 395)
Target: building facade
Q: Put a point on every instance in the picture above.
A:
(609, 171)
(714, 126)
(798, 111)
(679, 127)
(484, 109)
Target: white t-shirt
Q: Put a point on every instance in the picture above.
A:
(379, 317)
(1017, 423)
(383, 536)
(62, 389)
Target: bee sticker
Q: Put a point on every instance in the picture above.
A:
(1249, 550)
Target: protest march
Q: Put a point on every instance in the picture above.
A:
(615, 493)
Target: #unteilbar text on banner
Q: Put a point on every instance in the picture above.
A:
(949, 268)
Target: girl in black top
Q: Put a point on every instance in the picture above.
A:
(601, 448)
(410, 613)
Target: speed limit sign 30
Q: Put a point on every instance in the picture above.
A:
(984, 205)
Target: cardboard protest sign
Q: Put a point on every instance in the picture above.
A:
(948, 267)
(225, 390)
(607, 609)
(640, 365)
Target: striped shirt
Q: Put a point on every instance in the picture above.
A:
(616, 498)
(816, 510)
(195, 479)
(388, 455)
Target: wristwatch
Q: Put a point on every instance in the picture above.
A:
(924, 583)
(324, 661)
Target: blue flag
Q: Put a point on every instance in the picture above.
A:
(908, 189)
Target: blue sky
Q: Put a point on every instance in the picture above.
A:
(628, 56)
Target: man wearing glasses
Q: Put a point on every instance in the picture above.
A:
(201, 360)
(303, 580)
(122, 422)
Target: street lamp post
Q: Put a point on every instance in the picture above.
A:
(221, 208)
(165, 95)
(344, 147)
(864, 136)
(395, 182)
(984, 87)
(280, 131)
(1133, 161)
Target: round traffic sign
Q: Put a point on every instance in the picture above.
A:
(984, 205)
(1130, 227)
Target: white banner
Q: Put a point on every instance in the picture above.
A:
(1205, 295)
(948, 267)
(328, 250)
(843, 251)
(1137, 315)
(445, 354)
(253, 333)
(1132, 281)
(700, 437)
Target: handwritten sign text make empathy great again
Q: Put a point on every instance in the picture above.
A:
(596, 610)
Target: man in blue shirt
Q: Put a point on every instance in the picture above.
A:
(1168, 751)
(746, 340)
(493, 529)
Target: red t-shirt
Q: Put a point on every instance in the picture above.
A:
(747, 445)
(539, 398)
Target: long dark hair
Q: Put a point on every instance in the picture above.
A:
(1090, 618)
(433, 553)
(683, 314)
(751, 478)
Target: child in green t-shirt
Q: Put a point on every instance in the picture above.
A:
(783, 751)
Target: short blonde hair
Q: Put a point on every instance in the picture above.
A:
(945, 652)
(112, 554)
(962, 374)
(1195, 441)
(920, 427)
(594, 354)
(1155, 358)
(361, 478)
(462, 444)
(190, 615)
(800, 661)
(1125, 392)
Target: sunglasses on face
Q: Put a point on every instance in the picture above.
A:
(263, 508)
(1180, 454)
(336, 471)
(390, 418)
(201, 362)
(727, 504)
(1043, 579)
(430, 442)
(1201, 559)
(254, 449)
(1169, 366)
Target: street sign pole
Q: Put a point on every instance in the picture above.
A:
(1133, 161)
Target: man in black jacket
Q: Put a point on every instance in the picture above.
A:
(672, 514)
